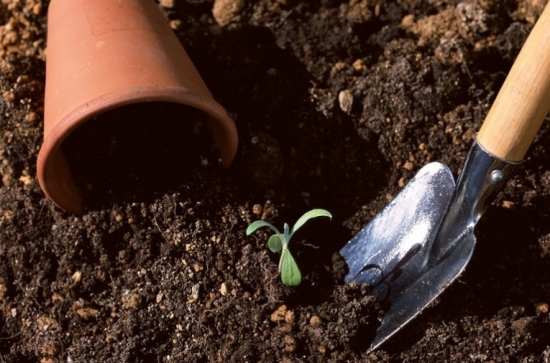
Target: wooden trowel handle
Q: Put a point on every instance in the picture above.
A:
(523, 101)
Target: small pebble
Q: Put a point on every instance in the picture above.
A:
(359, 65)
(37, 8)
(47, 323)
(77, 276)
(31, 116)
(401, 182)
(223, 289)
(195, 291)
(175, 24)
(408, 166)
(257, 209)
(9, 96)
(315, 321)
(131, 301)
(50, 347)
(290, 343)
(508, 204)
(87, 313)
(225, 11)
(279, 315)
(169, 4)
(542, 308)
(345, 99)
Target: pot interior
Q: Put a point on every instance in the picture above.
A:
(135, 152)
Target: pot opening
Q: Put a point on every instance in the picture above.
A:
(136, 152)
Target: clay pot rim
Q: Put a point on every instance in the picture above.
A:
(223, 129)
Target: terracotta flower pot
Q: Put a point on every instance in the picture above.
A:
(104, 54)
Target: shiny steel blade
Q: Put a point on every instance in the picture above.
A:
(411, 299)
(422, 241)
(391, 243)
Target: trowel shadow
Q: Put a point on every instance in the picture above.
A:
(504, 277)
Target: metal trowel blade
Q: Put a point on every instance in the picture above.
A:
(382, 251)
(390, 252)
(411, 298)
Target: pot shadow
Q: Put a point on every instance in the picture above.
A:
(304, 156)
(289, 148)
(300, 152)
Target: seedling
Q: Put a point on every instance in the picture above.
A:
(278, 242)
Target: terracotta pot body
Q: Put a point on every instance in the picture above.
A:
(103, 54)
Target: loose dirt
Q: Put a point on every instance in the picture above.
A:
(338, 104)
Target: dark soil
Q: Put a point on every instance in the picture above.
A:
(338, 104)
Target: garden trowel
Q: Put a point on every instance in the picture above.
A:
(422, 241)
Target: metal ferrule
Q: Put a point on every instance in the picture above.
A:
(483, 176)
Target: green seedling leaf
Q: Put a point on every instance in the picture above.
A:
(286, 236)
(307, 216)
(278, 242)
(275, 242)
(290, 273)
(259, 224)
